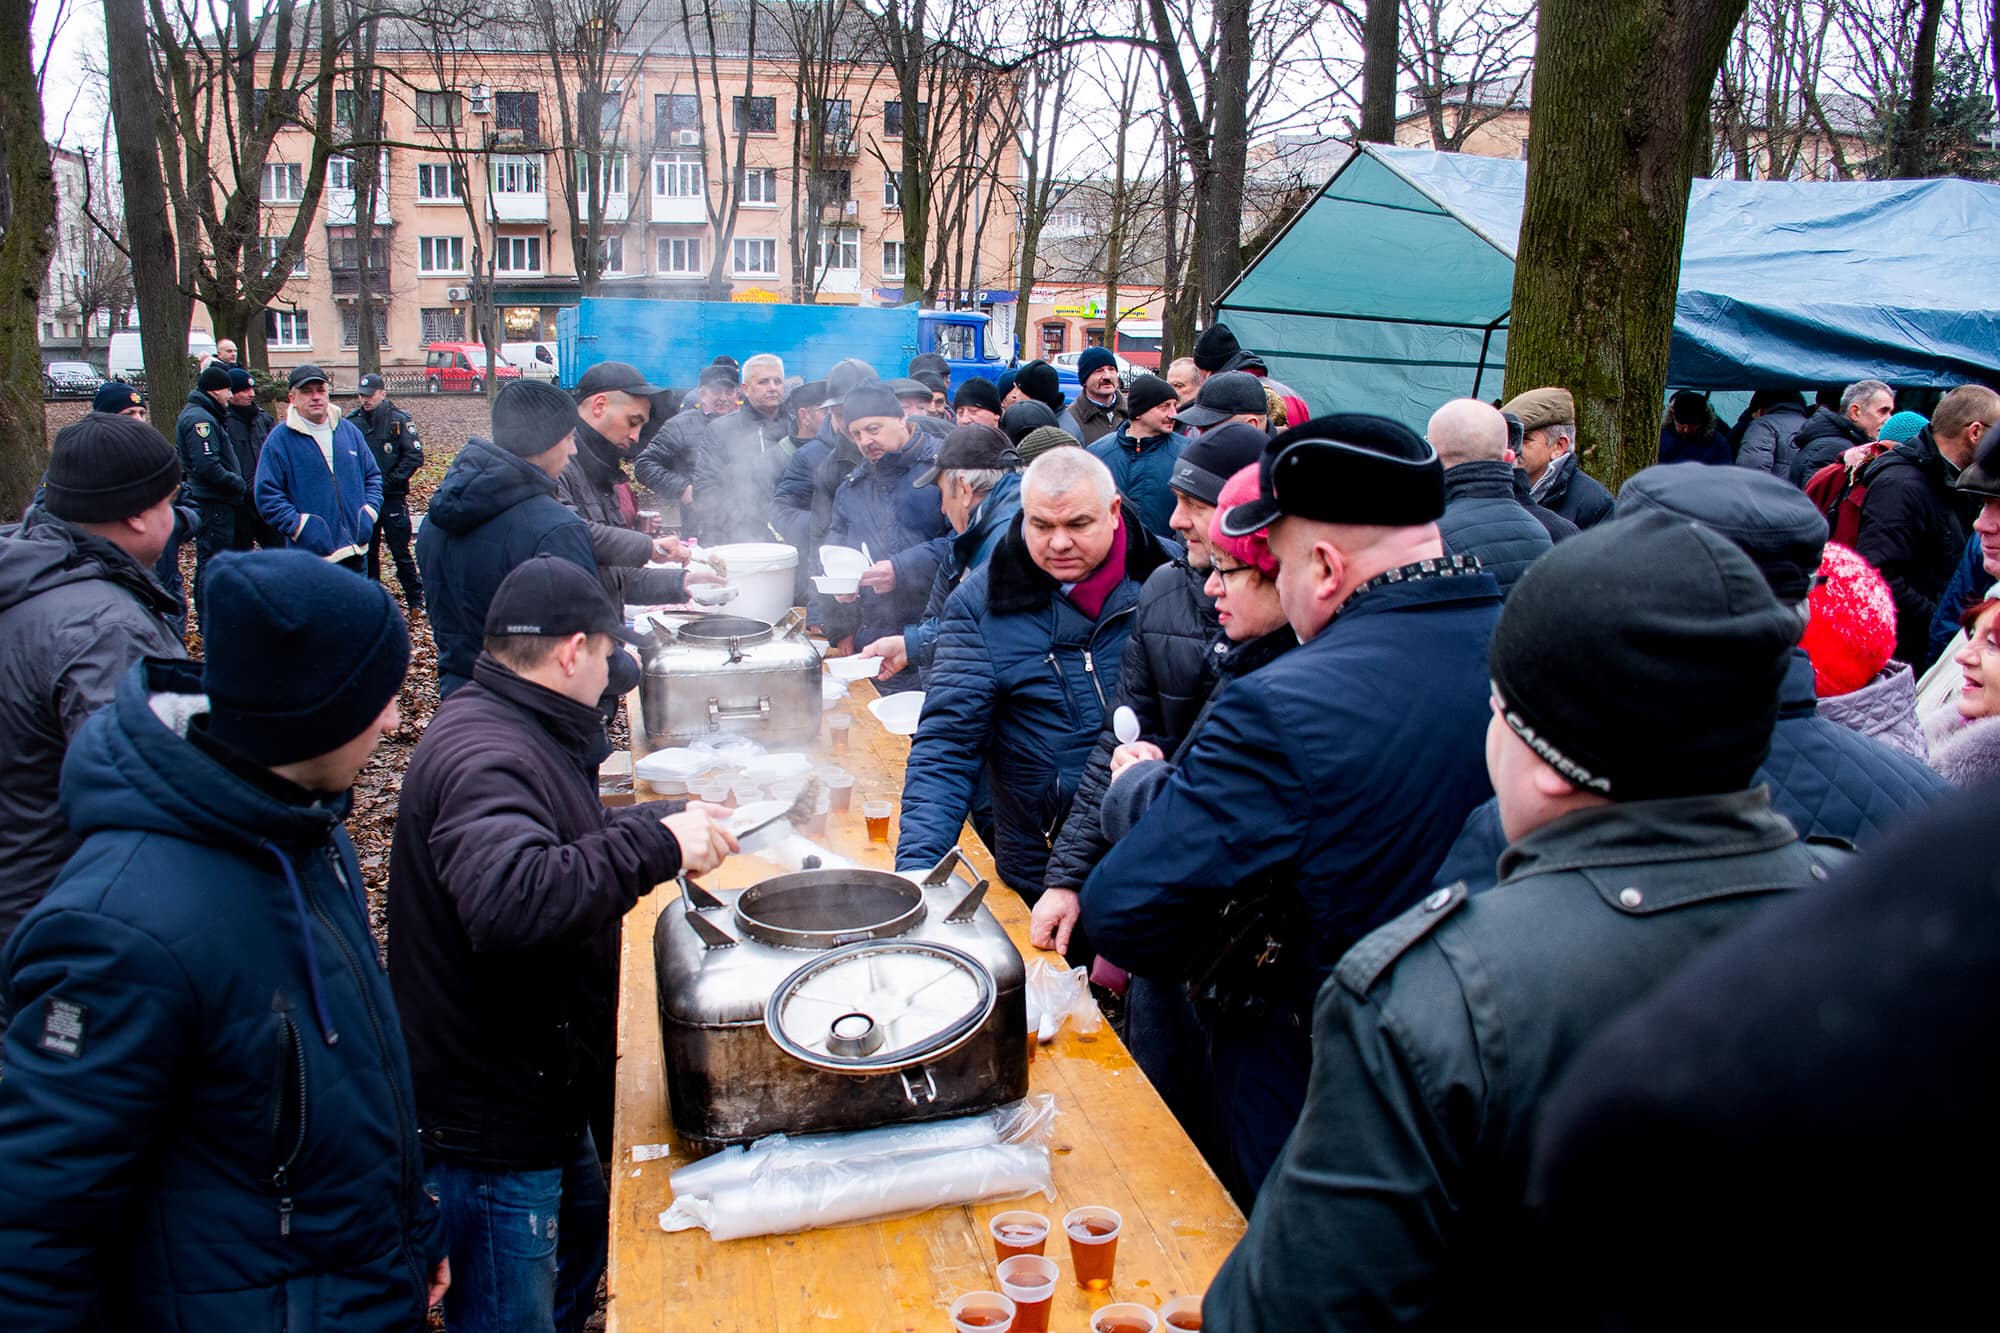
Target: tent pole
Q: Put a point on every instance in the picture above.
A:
(1486, 341)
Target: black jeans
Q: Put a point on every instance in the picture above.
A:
(394, 527)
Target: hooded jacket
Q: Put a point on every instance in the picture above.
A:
(208, 461)
(507, 883)
(877, 507)
(1885, 709)
(1142, 469)
(313, 507)
(206, 1120)
(1913, 529)
(75, 612)
(1482, 518)
(595, 486)
(1821, 439)
(1770, 441)
(492, 511)
(964, 553)
(1022, 682)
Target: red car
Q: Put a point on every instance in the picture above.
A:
(460, 368)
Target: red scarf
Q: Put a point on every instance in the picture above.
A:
(1089, 593)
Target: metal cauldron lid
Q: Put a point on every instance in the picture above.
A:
(881, 1006)
(826, 909)
(721, 631)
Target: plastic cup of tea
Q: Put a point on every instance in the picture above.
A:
(1029, 1280)
(1093, 1245)
(839, 789)
(1018, 1233)
(1125, 1317)
(982, 1312)
(1034, 1029)
(1182, 1314)
(816, 822)
(837, 727)
(877, 814)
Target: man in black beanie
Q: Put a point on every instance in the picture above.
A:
(1141, 450)
(78, 605)
(1039, 381)
(1216, 350)
(206, 1088)
(209, 462)
(1635, 676)
(1100, 408)
(977, 403)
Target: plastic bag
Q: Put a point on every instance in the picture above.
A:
(1055, 995)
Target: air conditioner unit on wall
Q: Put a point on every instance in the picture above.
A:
(457, 294)
(482, 99)
(851, 208)
(688, 139)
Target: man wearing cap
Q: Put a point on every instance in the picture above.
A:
(507, 883)
(613, 404)
(208, 461)
(392, 439)
(206, 1089)
(1234, 395)
(1548, 456)
(119, 399)
(317, 481)
(898, 523)
(78, 604)
(1141, 451)
(1100, 409)
(1482, 518)
(915, 397)
(978, 476)
(249, 426)
(802, 503)
(1216, 352)
(736, 465)
(1314, 800)
(939, 383)
(977, 403)
(666, 463)
(1635, 679)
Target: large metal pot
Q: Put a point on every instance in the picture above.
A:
(714, 675)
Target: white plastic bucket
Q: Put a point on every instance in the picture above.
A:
(761, 573)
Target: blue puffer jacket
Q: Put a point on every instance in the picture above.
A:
(1021, 682)
(1142, 469)
(878, 507)
(1968, 585)
(1828, 780)
(962, 554)
(206, 1120)
(492, 511)
(1482, 518)
(312, 508)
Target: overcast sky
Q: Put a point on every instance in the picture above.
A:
(73, 106)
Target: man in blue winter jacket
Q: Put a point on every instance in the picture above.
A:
(206, 1116)
(1142, 451)
(318, 483)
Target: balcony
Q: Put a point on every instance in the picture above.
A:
(838, 145)
(347, 282)
(501, 141)
(517, 206)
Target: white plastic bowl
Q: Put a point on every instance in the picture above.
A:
(831, 585)
(853, 668)
(899, 713)
(842, 561)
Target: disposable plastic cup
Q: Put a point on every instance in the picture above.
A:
(877, 814)
(1018, 1233)
(1034, 1030)
(1029, 1280)
(837, 728)
(1182, 1314)
(748, 793)
(1093, 1245)
(1125, 1317)
(839, 790)
(671, 786)
(715, 793)
(982, 1312)
(816, 823)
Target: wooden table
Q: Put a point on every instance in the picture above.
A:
(1115, 1143)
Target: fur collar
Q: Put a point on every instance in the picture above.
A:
(1015, 583)
(1968, 755)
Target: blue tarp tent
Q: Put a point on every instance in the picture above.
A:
(1389, 292)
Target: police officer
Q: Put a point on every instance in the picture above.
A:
(1635, 678)
(208, 461)
(392, 438)
(247, 425)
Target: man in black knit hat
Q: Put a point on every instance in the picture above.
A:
(208, 460)
(1635, 677)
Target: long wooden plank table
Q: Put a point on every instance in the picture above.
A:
(1115, 1144)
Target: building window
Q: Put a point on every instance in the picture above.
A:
(440, 183)
(611, 177)
(283, 183)
(272, 246)
(340, 173)
(440, 254)
(344, 104)
(892, 119)
(754, 256)
(760, 185)
(840, 248)
(610, 108)
(443, 325)
(611, 254)
(839, 119)
(892, 259)
(350, 327)
(892, 190)
(676, 111)
(343, 255)
(437, 111)
(679, 254)
(754, 115)
(286, 101)
(833, 186)
(286, 328)
(517, 175)
(518, 254)
(677, 178)
(518, 113)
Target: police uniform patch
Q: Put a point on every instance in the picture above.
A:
(396, 429)
(62, 1028)
(201, 429)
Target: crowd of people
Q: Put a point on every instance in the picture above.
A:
(1458, 885)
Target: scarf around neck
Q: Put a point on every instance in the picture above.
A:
(322, 434)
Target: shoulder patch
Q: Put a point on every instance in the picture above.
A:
(62, 1027)
(396, 429)
(201, 429)
(1378, 951)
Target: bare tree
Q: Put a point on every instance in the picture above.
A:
(594, 62)
(1466, 64)
(27, 236)
(1046, 81)
(141, 123)
(100, 279)
(722, 198)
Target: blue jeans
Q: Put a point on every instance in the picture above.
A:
(526, 1247)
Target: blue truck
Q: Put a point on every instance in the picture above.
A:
(670, 341)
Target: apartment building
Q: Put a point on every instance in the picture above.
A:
(483, 163)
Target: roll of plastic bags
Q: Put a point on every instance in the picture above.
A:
(1026, 1121)
(777, 1200)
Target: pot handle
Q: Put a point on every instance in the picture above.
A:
(915, 1095)
(793, 619)
(699, 900)
(946, 872)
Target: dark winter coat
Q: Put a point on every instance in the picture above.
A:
(1089, 422)
(1828, 780)
(1821, 439)
(1771, 441)
(1552, 523)
(736, 473)
(1711, 446)
(310, 507)
(1022, 682)
(1482, 518)
(1969, 584)
(206, 1119)
(392, 438)
(595, 486)
(208, 462)
(1576, 495)
(1913, 529)
(878, 507)
(492, 511)
(507, 883)
(1438, 1039)
(75, 613)
(666, 463)
(1171, 665)
(1142, 469)
(247, 427)
(802, 504)
(964, 553)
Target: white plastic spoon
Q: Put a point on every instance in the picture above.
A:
(1124, 724)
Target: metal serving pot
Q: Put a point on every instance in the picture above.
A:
(730, 674)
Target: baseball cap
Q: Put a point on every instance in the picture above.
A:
(552, 598)
(1232, 393)
(615, 377)
(970, 447)
(370, 383)
(306, 374)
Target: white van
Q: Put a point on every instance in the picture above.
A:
(536, 361)
(123, 359)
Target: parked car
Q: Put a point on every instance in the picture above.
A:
(70, 379)
(460, 368)
(535, 360)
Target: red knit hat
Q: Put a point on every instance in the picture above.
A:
(1852, 630)
(1254, 549)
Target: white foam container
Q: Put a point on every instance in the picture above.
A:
(762, 573)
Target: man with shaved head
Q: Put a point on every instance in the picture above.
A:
(1482, 517)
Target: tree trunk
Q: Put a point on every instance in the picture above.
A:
(1378, 71)
(29, 221)
(163, 307)
(1912, 158)
(1620, 96)
(1221, 253)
